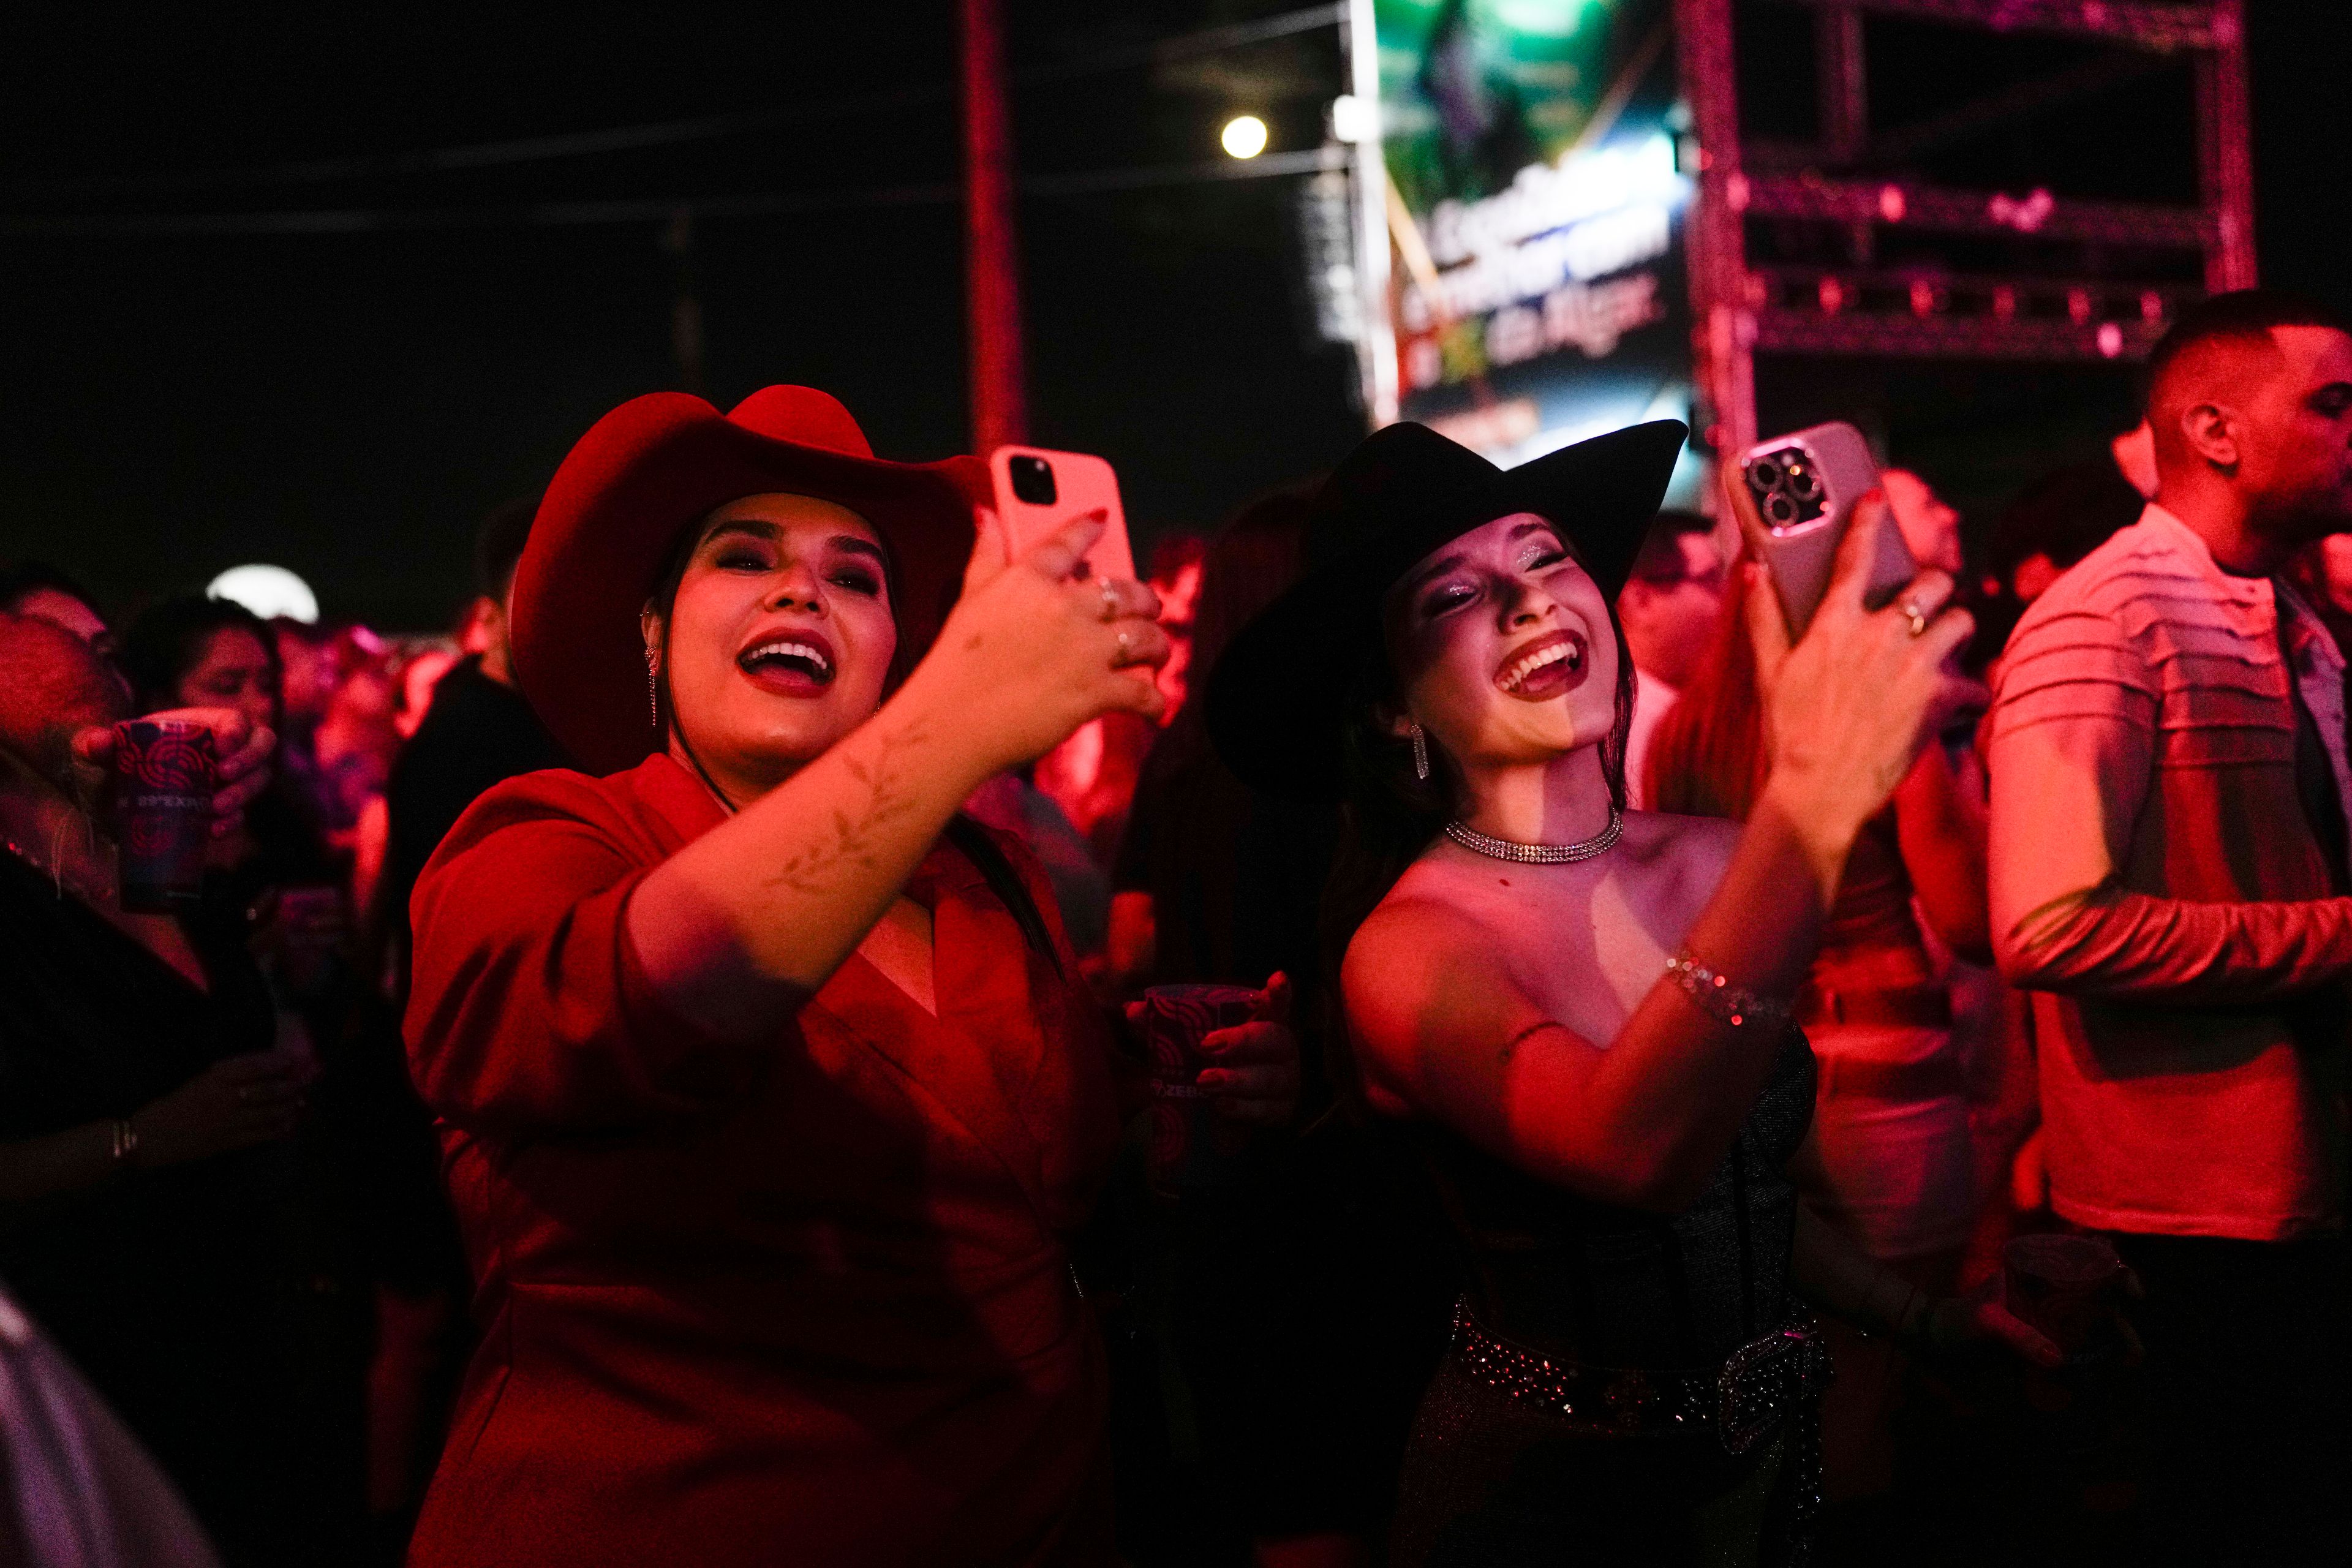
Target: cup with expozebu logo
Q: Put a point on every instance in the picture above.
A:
(164, 775)
(1192, 1147)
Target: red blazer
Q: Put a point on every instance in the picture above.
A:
(805, 1302)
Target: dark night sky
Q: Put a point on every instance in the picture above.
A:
(349, 405)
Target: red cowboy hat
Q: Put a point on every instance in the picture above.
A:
(652, 467)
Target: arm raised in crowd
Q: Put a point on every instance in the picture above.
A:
(736, 929)
(1644, 1119)
(2072, 752)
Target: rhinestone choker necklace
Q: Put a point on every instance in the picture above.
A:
(1600, 843)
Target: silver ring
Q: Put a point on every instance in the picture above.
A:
(1918, 618)
(1110, 600)
(1126, 647)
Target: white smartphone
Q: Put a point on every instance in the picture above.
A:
(1041, 492)
(1805, 486)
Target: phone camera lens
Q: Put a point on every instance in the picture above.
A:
(1779, 510)
(1033, 480)
(1805, 484)
(1764, 474)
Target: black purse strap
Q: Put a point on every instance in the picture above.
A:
(977, 846)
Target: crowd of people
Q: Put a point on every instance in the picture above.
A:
(658, 1073)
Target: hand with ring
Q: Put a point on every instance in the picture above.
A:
(1033, 650)
(1848, 707)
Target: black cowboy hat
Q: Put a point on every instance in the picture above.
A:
(1276, 699)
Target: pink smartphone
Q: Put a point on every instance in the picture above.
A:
(1041, 492)
(1805, 486)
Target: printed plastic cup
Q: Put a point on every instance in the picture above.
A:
(2062, 1285)
(1191, 1145)
(163, 780)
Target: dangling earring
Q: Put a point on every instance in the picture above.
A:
(653, 687)
(1419, 753)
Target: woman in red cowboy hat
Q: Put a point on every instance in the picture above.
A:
(766, 1088)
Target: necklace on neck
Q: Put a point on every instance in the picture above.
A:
(1600, 843)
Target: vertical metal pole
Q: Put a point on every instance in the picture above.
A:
(1844, 91)
(2224, 152)
(1000, 411)
(686, 312)
(1722, 322)
(1376, 355)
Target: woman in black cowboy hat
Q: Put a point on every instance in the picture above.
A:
(1582, 1012)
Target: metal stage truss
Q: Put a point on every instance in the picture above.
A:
(1940, 309)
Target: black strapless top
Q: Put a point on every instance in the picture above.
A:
(1620, 1287)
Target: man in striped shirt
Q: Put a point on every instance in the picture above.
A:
(2168, 880)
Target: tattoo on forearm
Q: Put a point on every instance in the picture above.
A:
(814, 870)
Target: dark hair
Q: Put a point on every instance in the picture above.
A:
(2063, 515)
(1390, 817)
(497, 546)
(1660, 559)
(20, 580)
(168, 640)
(2241, 315)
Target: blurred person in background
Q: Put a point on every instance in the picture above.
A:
(2049, 526)
(294, 888)
(151, 1202)
(2322, 572)
(190, 651)
(1892, 1158)
(2170, 881)
(416, 675)
(307, 676)
(37, 589)
(357, 738)
(1174, 914)
(478, 731)
(1668, 610)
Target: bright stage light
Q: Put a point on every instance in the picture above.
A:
(1245, 136)
(268, 590)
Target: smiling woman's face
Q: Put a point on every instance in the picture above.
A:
(779, 637)
(1503, 647)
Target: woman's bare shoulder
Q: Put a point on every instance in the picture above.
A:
(1423, 925)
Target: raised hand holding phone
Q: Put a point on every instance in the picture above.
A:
(1797, 499)
(1039, 492)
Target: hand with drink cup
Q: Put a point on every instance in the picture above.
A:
(234, 1104)
(2067, 1288)
(241, 753)
(2055, 1299)
(1222, 1060)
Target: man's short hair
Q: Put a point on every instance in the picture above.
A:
(20, 580)
(1660, 559)
(2065, 515)
(497, 545)
(2242, 315)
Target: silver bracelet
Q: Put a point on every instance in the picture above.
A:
(1719, 998)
